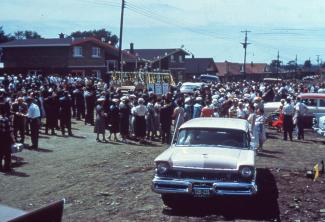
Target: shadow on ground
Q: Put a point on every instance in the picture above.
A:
(263, 206)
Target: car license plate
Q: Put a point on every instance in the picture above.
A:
(201, 192)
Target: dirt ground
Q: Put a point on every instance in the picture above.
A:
(111, 182)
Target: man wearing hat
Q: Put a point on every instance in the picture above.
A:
(19, 111)
(65, 113)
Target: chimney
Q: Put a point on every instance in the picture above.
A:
(131, 48)
(227, 67)
(61, 35)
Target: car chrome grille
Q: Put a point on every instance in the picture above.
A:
(216, 176)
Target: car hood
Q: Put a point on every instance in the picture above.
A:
(209, 158)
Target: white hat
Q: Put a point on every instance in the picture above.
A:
(123, 98)
(215, 96)
(187, 99)
(140, 100)
(101, 99)
(115, 100)
(198, 98)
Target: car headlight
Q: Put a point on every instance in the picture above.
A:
(162, 168)
(246, 172)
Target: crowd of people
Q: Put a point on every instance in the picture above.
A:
(32, 103)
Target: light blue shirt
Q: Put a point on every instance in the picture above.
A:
(33, 111)
(197, 110)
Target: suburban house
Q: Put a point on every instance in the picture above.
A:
(194, 67)
(158, 60)
(228, 71)
(86, 56)
(172, 60)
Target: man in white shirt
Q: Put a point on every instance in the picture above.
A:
(301, 110)
(288, 111)
(33, 115)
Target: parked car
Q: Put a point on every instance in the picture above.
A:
(190, 87)
(314, 101)
(319, 123)
(209, 78)
(209, 157)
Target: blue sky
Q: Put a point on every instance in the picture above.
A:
(207, 28)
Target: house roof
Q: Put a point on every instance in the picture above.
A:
(37, 43)
(199, 65)
(62, 42)
(229, 68)
(256, 68)
(155, 54)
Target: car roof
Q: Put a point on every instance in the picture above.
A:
(312, 96)
(193, 83)
(213, 122)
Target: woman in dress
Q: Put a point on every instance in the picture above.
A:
(114, 112)
(178, 114)
(100, 125)
(125, 112)
(140, 112)
(150, 119)
(157, 108)
(251, 120)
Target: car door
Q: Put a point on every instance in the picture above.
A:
(321, 106)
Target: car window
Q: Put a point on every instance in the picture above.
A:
(212, 137)
(310, 102)
(322, 103)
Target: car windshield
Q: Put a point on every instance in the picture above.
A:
(190, 87)
(212, 137)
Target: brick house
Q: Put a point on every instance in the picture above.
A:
(194, 67)
(229, 71)
(87, 56)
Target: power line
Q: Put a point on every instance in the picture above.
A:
(163, 19)
(120, 64)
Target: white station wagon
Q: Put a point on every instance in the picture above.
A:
(209, 157)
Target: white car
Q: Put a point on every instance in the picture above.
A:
(210, 157)
(190, 87)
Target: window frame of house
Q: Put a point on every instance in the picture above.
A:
(80, 51)
(172, 58)
(97, 54)
(180, 59)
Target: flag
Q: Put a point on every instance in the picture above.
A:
(316, 170)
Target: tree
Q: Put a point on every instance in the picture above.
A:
(4, 37)
(27, 34)
(100, 34)
(275, 66)
(291, 65)
(307, 64)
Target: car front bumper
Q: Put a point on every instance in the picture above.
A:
(210, 187)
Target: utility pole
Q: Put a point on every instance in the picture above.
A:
(296, 65)
(120, 63)
(318, 59)
(277, 65)
(245, 44)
